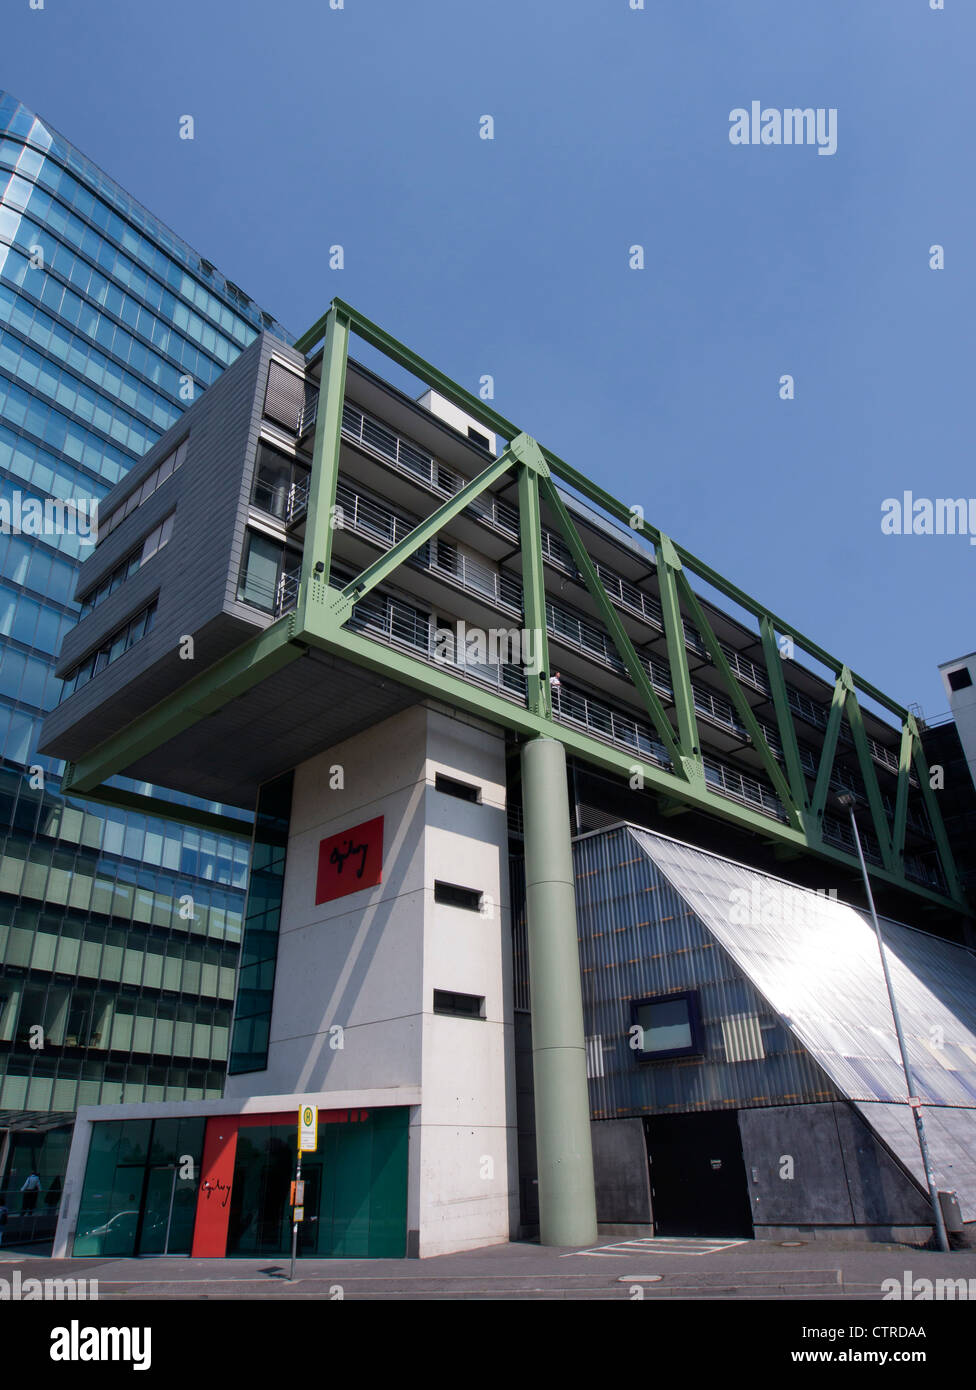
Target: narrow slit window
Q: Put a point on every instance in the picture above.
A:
(459, 1005)
(450, 786)
(453, 895)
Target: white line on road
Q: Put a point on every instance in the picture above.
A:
(657, 1245)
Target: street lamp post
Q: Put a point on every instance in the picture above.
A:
(914, 1101)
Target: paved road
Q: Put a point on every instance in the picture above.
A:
(619, 1269)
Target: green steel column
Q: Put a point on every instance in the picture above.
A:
(320, 517)
(668, 565)
(567, 1199)
(534, 590)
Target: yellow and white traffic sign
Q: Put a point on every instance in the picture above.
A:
(308, 1129)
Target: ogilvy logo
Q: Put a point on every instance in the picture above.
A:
(350, 861)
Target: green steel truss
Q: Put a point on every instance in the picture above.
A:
(322, 612)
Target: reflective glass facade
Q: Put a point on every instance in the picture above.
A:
(221, 1185)
(119, 933)
(259, 954)
(140, 1190)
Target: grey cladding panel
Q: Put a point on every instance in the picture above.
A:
(623, 1189)
(794, 1167)
(950, 1133)
(190, 573)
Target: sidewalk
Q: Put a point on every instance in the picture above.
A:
(659, 1269)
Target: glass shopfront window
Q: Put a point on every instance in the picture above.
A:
(141, 1185)
(355, 1189)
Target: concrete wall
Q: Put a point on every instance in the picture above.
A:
(369, 963)
(842, 1177)
(963, 706)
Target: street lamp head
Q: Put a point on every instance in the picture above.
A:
(846, 800)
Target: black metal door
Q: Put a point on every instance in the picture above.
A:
(698, 1177)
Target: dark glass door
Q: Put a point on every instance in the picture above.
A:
(156, 1203)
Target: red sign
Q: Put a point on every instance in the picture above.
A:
(350, 861)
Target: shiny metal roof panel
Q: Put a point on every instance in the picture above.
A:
(815, 960)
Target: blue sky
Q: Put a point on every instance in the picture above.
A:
(509, 257)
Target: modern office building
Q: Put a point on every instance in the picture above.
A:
(428, 652)
(111, 986)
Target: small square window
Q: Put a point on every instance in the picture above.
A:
(476, 437)
(668, 1025)
(960, 679)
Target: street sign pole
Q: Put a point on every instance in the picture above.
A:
(308, 1142)
(294, 1222)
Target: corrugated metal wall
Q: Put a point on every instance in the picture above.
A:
(637, 938)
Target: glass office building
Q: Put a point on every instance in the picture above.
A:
(119, 932)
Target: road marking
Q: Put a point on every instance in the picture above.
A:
(657, 1245)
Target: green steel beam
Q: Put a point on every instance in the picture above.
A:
(935, 815)
(742, 706)
(827, 753)
(398, 352)
(314, 335)
(436, 682)
(405, 357)
(784, 715)
(691, 562)
(870, 776)
(668, 565)
(313, 623)
(317, 549)
(412, 362)
(534, 588)
(391, 559)
(901, 794)
(206, 693)
(687, 759)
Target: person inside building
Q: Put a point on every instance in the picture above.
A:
(29, 1191)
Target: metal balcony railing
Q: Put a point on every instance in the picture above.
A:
(736, 785)
(571, 706)
(406, 456)
(286, 594)
(745, 669)
(475, 577)
(297, 503)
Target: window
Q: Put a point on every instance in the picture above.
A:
(278, 481)
(464, 791)
(135, 559)
(262, 570)
(147, 487)
(285, 396)
(111, 649)
(960, 679)
(669, 1025)
(454, 896)
(459, 1005)
(476, 437)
